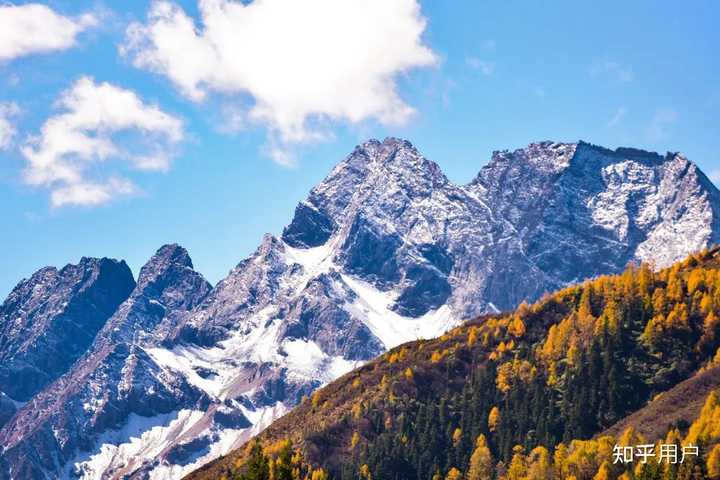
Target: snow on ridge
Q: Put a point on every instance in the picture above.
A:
(144, 438)
(393, 329)
(140, 437)
(314, 260)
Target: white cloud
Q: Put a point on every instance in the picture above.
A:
(7, 129)
(485, 67)
(35, 28)
(617, 118)
(67, 154)
(281, 155)
(298, 63)
(614, 70)
(660, 124)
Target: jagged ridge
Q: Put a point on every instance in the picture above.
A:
(385, 250)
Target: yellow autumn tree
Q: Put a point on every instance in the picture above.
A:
(316, 399)
(319, 475)
(573, 354)
(604, 472)
(706, 303)
(516, 327)
(481, 461)
(365, 472)
(707, 426)
(493, 418)
(675, 284)
(677, 319)
(456, 437)
(454, 474)
(472, 336)
(585, 304)
(696, 280)
(518, 467)
(713, 463)
(384, 383)
(354, 440)
(560, 456)
(510, 372)
(539, 464)
(710, 325)
(659, 301)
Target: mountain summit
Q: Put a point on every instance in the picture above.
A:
(385, 250)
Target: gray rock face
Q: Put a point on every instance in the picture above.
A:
(386, 249)
(317, 315)
(581, 210)
(49, 320)
(115, 379)
(7, 408)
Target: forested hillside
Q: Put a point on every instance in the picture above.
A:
(518, 396)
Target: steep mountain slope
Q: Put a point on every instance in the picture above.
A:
(678, 406)
(537, 380)
(114, 381)
(384, 251)
(50, 319)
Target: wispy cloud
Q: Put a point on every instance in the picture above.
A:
(8, 111)
(483, 66)
(617, 117)
(66, 155)
(35, 28)
(660, 123)
(613, 70)
(302, 64)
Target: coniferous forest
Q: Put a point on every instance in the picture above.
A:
(549, 391)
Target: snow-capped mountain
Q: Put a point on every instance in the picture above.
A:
(50, 319)
(385, 250)
(113, 383)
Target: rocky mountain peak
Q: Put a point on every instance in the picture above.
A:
(49, 320)
(115, 379)
(269, 245)
(377, 151)
(537, 159)
(167, 287)
(167, 257)
(394, 156)
(383, 251)
(169, 278)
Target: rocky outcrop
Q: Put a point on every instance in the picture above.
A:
(115, 379)
(49, 320)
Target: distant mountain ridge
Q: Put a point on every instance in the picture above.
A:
(385, 250)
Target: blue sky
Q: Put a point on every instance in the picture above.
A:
(487, 76)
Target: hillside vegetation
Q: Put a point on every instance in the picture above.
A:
(523, 395)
